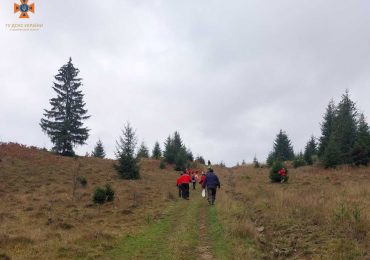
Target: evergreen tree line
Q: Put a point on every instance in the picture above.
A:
(64, 124)
(345, 135)
(175, 152)
(345, 139)
(282, 149)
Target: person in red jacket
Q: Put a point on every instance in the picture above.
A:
(185, 180)
(178, 184)
(202, 179)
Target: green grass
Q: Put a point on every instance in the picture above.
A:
(220, 246)
(175, 236)
(146, 242)
(183, 239)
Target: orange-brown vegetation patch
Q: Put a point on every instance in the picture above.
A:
(46, 214)
(320, 214)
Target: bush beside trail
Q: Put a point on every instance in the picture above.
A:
(279, 172)
(102, 195)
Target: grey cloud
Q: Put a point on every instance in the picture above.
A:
(227, 75)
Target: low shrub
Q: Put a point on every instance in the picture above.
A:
(109, 192)
(279, 172)
(299, 161)
(99, 196)
(82, 180)
(162, 165)
(257, 164)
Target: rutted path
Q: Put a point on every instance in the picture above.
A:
(182, 233)
(204, 248)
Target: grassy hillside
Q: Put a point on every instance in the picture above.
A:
(319, 214)
(44, 214)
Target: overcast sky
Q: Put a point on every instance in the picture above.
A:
(226, 74)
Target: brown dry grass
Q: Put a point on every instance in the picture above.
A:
(42, 215)
(319, 214)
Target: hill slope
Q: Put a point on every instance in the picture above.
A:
(319, 214)
(45, 214)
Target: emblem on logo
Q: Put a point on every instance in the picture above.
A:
(24, 8)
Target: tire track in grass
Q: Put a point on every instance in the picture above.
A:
(204, 247)
(188, 230)
(184, 237)
(221, 247)
(213, 243)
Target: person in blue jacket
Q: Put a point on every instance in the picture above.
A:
(211, 182)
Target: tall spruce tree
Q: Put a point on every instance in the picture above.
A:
(361, 149)
(345, 127)
(270, 159)
(173, 146)
(283, 150)
(326, 127)
(127, 167)
(177, 142)
(176, 152)
(157, 152)
(143, 151)
(98, 150)
(332, 156)
(63, 123)
(310, 151)
(169, 150)
(189, 155)
(181, 159)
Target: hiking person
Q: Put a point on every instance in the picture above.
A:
(211, 182)
(185, 179)
(282, 173)
(179, 186)
(193, 180)
(202, 178)
(196, 177)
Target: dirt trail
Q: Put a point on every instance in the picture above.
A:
(170, 238)
(204, 248)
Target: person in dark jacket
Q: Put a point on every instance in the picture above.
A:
(211, 182)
